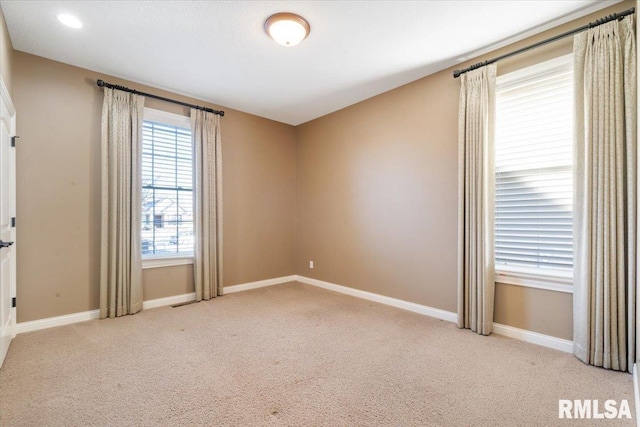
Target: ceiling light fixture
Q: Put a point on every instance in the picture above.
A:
(287, 29)
(69, 20)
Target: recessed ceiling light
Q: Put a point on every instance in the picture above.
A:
(287, 29)
(69, 20)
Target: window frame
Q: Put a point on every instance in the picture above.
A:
(172, 119)
(552, 280)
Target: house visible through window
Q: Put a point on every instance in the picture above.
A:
(167, 185)
(534, 172)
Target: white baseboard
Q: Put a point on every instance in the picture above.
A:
(636, 392)
(50, 322)
(172, 300)
(68, 319)
(508, 331)
(533, 337)
(394, 302)
(259, 284)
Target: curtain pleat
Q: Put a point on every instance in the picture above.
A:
(475, 200)
(120, 255)
(605, 211)
(207, 151)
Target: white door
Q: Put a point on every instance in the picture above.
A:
(7, 225)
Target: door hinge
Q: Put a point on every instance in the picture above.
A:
(13, 222)
(13, 140)
(13, 302)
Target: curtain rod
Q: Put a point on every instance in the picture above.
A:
(102, 83)
(600, 21)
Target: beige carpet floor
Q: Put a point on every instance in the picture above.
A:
(290, 355)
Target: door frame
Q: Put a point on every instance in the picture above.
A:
(5, 97)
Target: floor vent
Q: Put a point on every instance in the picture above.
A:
(182, 304)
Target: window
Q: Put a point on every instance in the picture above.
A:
(534, 175)
(167, 185)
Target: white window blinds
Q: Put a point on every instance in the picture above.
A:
(534, 177)
(167, 186)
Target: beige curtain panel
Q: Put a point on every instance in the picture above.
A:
(207, 151)
(120, 254)
(605, 209)
(475, 200)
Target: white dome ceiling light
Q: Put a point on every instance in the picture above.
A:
(287, 29)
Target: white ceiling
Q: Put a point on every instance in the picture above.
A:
(219, 52)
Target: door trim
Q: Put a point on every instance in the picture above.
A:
(4, 93)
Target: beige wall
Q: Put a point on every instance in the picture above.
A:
(6, 55)
(167, 281)
(58, 193)
(545, 312)
(376, 196)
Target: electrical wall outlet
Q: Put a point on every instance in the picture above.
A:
(310, 264)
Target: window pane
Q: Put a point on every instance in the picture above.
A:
(167, 196)
(534, 169)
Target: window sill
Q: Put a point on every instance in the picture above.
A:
(556, 284)
(165, 262)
